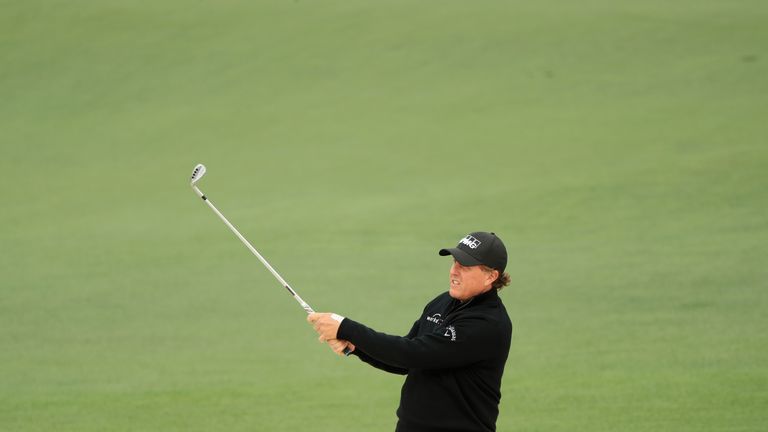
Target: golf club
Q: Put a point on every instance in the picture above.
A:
(197, 174)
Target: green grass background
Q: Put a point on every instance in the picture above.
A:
(619, 148)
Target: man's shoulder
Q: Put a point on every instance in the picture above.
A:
(440, 302)
(491, 310)
(441, 299)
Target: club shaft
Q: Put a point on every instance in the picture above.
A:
(253, 250)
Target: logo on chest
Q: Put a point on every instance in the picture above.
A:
(450, 331)
(435, 318)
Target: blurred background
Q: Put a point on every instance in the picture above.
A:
(618, 148)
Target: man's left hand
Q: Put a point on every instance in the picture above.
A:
(339, 346)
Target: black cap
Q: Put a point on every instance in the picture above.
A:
(480, 248)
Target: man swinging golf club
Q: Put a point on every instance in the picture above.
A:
(454, 354)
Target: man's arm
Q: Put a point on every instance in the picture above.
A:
(463, 342)
(379, 365)
(338, 345)
(384, 366)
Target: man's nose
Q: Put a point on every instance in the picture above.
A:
(454, 268)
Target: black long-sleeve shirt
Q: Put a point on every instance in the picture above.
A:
(454, 357)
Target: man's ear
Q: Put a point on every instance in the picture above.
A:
(493, 275)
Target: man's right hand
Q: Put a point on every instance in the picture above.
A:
(338, 346)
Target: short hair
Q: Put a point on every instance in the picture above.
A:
(501, 281)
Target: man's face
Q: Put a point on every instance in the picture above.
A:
(467, 282)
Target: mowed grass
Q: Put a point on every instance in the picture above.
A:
(618, 148)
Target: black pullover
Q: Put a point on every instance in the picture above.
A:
(454, 357)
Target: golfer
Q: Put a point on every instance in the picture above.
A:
(455, 353)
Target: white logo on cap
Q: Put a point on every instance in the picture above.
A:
(470, 241)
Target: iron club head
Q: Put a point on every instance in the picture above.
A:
(197, 174)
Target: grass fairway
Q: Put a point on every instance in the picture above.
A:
(619, 148)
